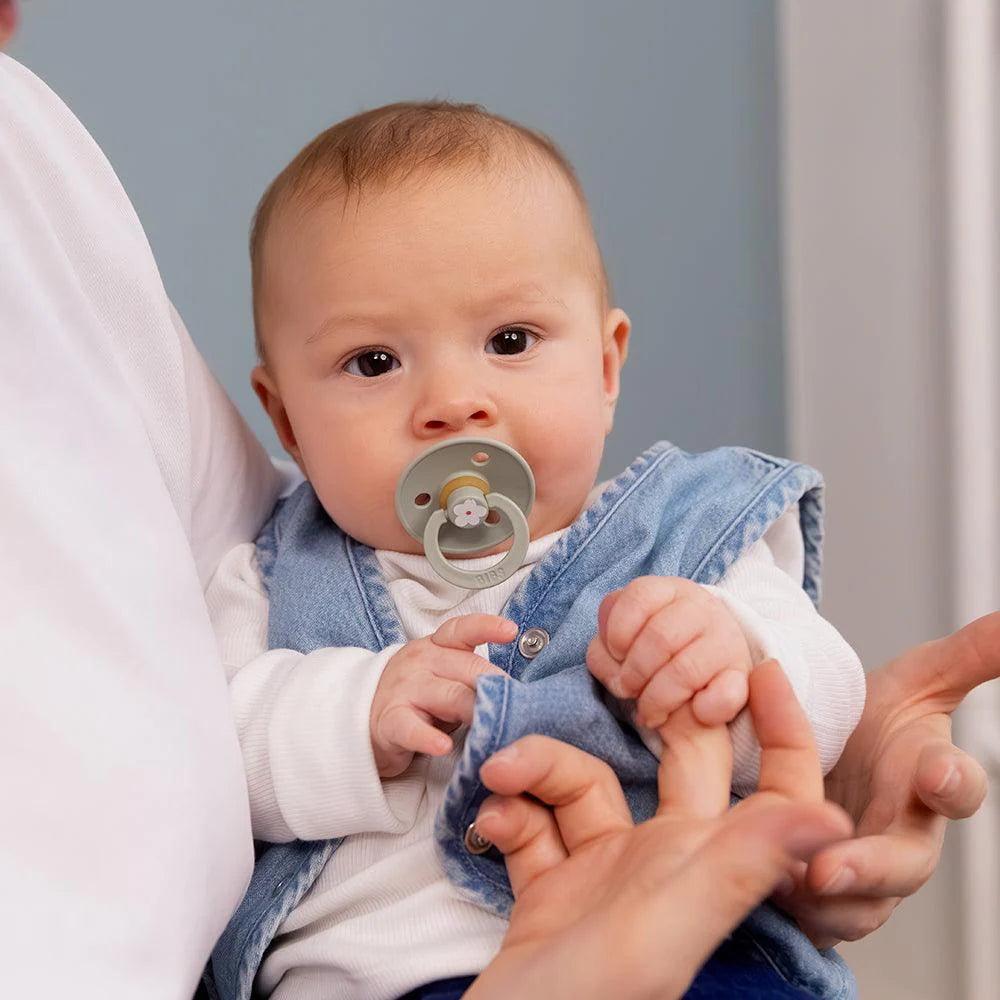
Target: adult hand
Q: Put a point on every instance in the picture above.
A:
(8, 20)
(606, 908)
(900, 778)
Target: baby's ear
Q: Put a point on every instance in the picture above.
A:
(270, 398)
(617, 327)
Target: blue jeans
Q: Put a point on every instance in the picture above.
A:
(738, 970)
(442, 989)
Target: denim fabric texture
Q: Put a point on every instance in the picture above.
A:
(670, 514)
(739, 968)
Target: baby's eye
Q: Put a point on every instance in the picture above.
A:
(512, 340)
(371, 364)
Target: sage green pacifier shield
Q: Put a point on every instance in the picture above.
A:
(464, 496)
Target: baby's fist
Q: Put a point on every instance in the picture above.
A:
(664, 641)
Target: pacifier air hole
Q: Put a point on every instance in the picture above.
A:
(480, 458)
(493, 517)
(422, 499)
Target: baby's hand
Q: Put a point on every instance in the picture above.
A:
(430, 681)
(664, 641)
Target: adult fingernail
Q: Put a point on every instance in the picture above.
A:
(841, 880)
(949, 783)
(486, 815)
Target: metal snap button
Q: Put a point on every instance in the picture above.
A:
(475, 842)
(532, 642)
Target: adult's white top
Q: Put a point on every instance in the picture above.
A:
(125, 474)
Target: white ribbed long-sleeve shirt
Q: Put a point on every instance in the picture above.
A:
(382, 918)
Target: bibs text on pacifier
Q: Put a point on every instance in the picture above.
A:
(464, 496)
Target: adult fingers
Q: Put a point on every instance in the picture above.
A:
(972, 654)
(731, 872)
(696, 767)
(468, 631)
(950, 667)
(526, 833)
(948, 781)
(880, 866)
(826, 922)
(789, 761)
(587, 797)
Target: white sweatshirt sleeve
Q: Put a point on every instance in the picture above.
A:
(303, 722)
(763, 590)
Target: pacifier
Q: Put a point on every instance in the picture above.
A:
(463, 496)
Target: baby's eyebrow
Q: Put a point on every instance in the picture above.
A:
(530, 294)
(332, 323)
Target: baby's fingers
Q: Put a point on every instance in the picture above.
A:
(605, 667)
(722, 699)
(461, 668)
(406, 728)
(624, 614)
(468, 631)
(446, 700)
(675, 682)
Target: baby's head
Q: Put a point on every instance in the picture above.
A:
(423, 272)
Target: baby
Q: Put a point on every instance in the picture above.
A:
(423, 272)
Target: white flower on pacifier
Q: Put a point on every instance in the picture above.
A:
(469, 513)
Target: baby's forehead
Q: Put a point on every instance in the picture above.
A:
(471, 199)
(357, 247)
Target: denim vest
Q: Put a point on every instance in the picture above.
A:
(669, 514)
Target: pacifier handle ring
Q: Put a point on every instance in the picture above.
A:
(507, 566)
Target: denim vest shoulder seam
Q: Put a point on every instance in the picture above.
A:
(775, 479)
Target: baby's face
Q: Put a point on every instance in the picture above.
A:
(455, 304)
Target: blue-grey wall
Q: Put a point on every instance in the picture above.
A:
(668, 110)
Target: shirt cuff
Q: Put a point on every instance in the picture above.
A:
(325, 780)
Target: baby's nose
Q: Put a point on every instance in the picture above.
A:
(460, 412)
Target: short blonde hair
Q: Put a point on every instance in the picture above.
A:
(388, 144)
